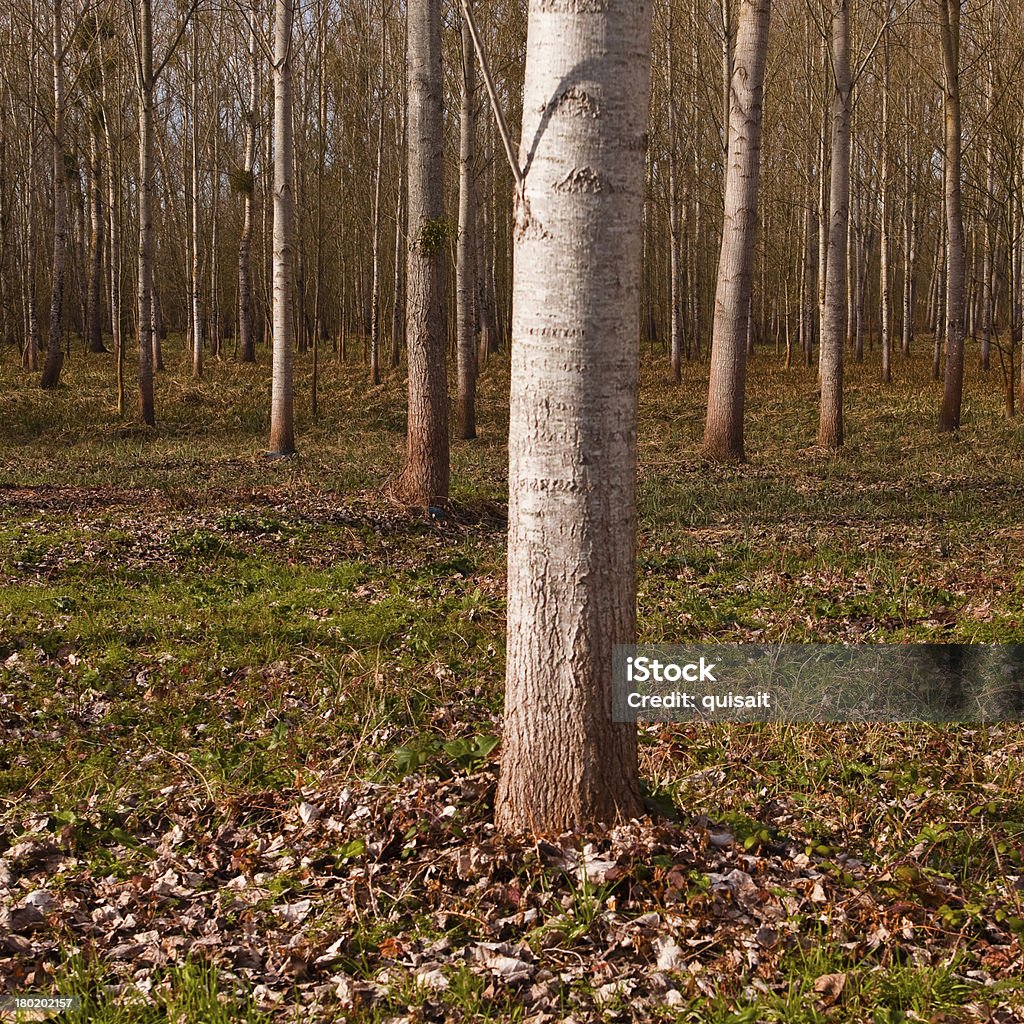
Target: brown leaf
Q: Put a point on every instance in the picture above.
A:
(830, 987)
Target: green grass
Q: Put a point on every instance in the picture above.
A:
(178, 611)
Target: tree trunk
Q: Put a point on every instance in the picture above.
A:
(54, 355)
(884, 276)
(282, 430)
(572, 440)
(675, 225)
(425, 476)
(833, 326)
(465, 263)
(94, 307)
(723, 434)
(376, 231)
(953, 386)
(195, 294)
(145, 201)
(245, 314)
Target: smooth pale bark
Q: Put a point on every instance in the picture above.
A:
(465, 253)
(398, 305)
(146, 334)
(572, 437)
(376, 233)
(195, 294)
(676, 227)
(984, 357)
(884, 277)
(282, 429)
(953, 385)
(425, 476)
(246, 331)
(723, 433)
(94, 307)
(54, 355)
(833, 322)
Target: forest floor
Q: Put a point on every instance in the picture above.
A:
(248, 717)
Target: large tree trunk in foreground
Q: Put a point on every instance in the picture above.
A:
(833, 322)
(282, 431)
(723, 434)
(572, 436)
(953, 387)
(424, 478)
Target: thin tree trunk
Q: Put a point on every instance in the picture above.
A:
(465, 264)
(953, 387)
(676, 228)
(884, 276)
(54, 354)
(245, 312)
(195, 294)
(376, 239)
(94, 307)
(723, 433)
(282, 429)
(145, 201)
(833, 327)
(425, 477)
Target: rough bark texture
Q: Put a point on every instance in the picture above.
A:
(833, 321)
(424, 478)
(572, 436)
(723, 434)
(465, 262)
(953, 387)
(282, 431)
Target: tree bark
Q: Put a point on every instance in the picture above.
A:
(833, 327)
(54, 354)
(425, 476)
(953, 386)
(572, 440)
(145, 201)
(465, 260)
(282, 429)
(723, 434)
(245, 314)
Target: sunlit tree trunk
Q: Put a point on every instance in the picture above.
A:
(282, 430)
(145, 205)
(246, 330)
(723, 434)
(833, 326)
(572, 436)
(54, 354)
(465, 262)
(425, 476)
